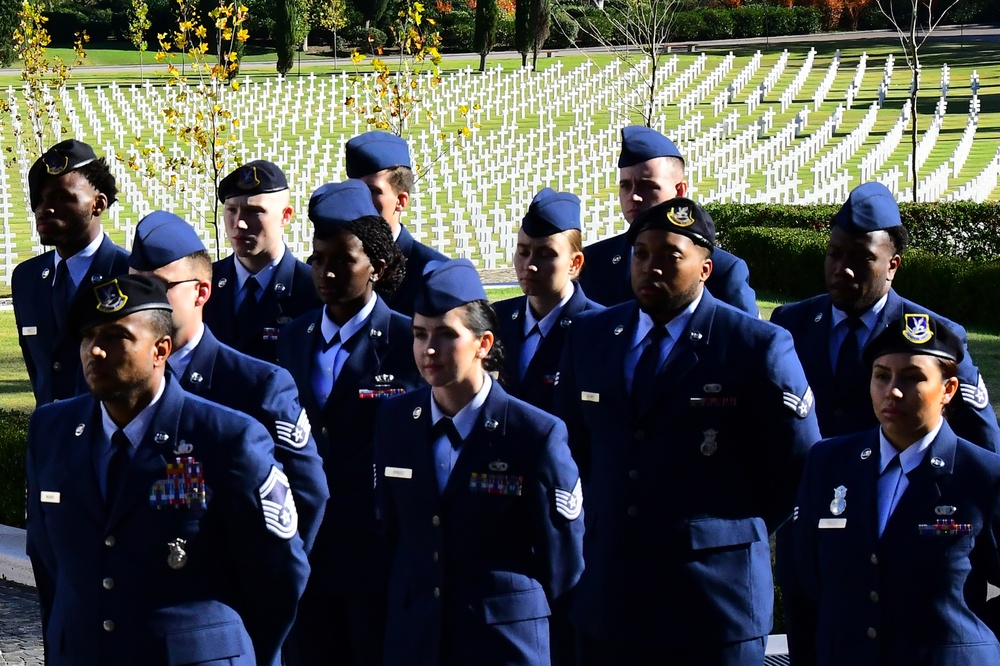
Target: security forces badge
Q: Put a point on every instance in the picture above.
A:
(55, 162)
(247, 179)
(110, 297)
(917, 329)
(680, 216)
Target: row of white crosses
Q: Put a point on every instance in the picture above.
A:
(827, 83)
(981, 186)
(883, 86)
(728, 95)
(859, 75)
(706, 85)
(876, 158)
(758, 94)
(792, 91)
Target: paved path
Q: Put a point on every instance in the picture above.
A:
(20, 625)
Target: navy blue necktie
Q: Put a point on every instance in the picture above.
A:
(116, 466)
(848, 372)
(445, 426)
(646, 370)
(62, 293)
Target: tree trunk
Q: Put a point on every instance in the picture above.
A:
(913, 101)
(524, 60)
(482, 62)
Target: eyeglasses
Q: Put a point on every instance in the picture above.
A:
(171, 285)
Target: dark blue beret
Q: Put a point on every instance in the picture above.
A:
(679, 215)
(162, 238)
(641, 143)
(114, 299)
(61, 158)
(915, 333)
(257, 177)
(448, 285)
(869, 207)
(551, 212)
(371, 152)
(336, 205)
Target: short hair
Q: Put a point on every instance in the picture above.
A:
(479, 317)
(400, 178)
(575, 238)
(676, 161)
(99, 175)
(376, 239)
(899, 237)
(161, 322)
(201, 262)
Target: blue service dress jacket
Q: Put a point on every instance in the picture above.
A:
(537, 386)
(849, 410)
(478, 566)
(350, 550)
(417, 256)
(52, 356)
(290, 294)
(605, 275)
(268, 394)
(109, 594)
(914, 596)
(683, 492)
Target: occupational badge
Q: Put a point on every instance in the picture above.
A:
(178, 556)
(839, 503)
(708, 445)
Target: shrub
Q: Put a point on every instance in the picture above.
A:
(719, 24)
(809, 20)
(687, 26)
(505, 32)
(64, 24)
(596, 29)
(564, 30)
(749, 21)
(458, 32)
(781, 21)
(364, 39)
(789, 261)
(13, 447)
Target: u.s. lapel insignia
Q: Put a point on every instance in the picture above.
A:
(498, 466)
(161, 437)
(178, 556)
(196, 378)
(491, 424)
(221, 283)
(818, 318)
(45, 273)
(514, 315)
(110, 297)
(565, 322)
(375, 333)
(183, 448)
(695, 335)
(619, 329)
(417, 411)
(917, 329)
(709, 446)
(311, 328)
(279, 288)
(866, 454)
(95, 278)
(712, 388)
(945, 510)
(839, 502)
(79, 430)
(616, 259)
(937, 462)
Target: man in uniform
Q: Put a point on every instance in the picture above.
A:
(160, 528)
(382, 161)
(168, 248)
(261, 286)
(70, 188)
(692, 430)
(864, 252)
(652, 171)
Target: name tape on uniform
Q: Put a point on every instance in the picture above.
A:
(832, 523)
(587, 396)
(29, 330)
(50, 497)
(399, 472)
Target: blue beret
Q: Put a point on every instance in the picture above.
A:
(641, 143)
(114, 299)
(371, 152)
(162, 238)
(335, 205)
(679, 215)
(551, 212)
(869, 207)
(61, 158)
(448, 285)
(257, 177)
(915, 333)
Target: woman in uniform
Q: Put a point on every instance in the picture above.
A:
(896, 529)
(548, 261)
(346, 358)
(477, 493)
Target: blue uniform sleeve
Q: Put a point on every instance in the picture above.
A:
(736, 289)
(800, 582)
(972, 416)
(39, 548)
(267, 552)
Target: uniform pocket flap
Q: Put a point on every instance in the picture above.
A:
(218, 641)
(723, 533)
(516, 606)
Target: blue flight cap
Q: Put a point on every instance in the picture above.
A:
(65, 156)
(114, 299)
(257, 177)
(552, 212)
(640, 143)
(371, 152)
(448, 285)
(869, 207)
(916, 333)
(335, 205)
(162, 238)
(679, 215)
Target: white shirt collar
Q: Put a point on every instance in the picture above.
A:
(180, 358)
(911, 456)
(264, 276)
(351, 326)
(135, 429)
(675, 327)
(549, 320)
(465, 419)
(869, 318)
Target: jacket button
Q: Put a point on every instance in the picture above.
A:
(436, 556)
(633, 474)
(873, 596)
(109, 541)
(437, 592)
(108, 583)
(108, 625)
(435, 521)
(57, 366)
(633, 511)
(324, 431)
(639, 435)
(871, 632)
(874, 558)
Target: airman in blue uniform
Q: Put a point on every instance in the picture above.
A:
(692, 420)
(347, 358)
(70, 188)
(897, 527)
(382, 161)
(168, 248)
(652, 171)
(533, 327)
(478, 494)
(160, 527)
(261, 286)
(864, 252)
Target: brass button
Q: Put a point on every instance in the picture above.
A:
(873, 595)
(57, 366)
(435, 521)
(108, 625)
(108, 583)
(871, 632)
(324, 431)
(874, 558)
(109, 541)
(437, 592)
(436, 556)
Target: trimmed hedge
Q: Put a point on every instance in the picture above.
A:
(790, 261)
(960, 228)
(13, 447)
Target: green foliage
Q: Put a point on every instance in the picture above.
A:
(8, 23)
(458, 31)
(288, 14)
(564, 30)
(809, 20)
(780, 21)
(364, 39)
(789, 261)
(371, 10)
(687, 26)
(63, 24)
(487, 17)
(596, 29)
(522, 27)
(505, 31)
(719, 24)
(13, 447)
(749, 21)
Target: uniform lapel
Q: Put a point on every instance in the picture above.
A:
(814, 351)
(225, 289)
(364, 360)
(923, 490)
(79, 455)
(198, 374)
(301, 361)
(514, 342)
(618, 278)
(480, 444)
(551, 345)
